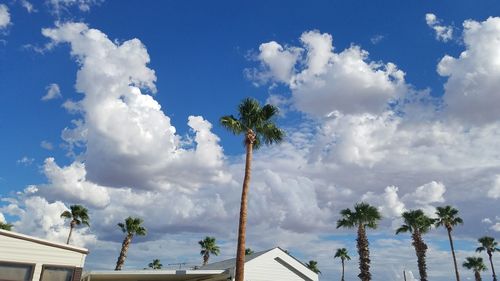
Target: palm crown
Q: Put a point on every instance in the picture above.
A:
(209, 246)
(364, 214)
(155, 264)
(342, 254)
(256, 120)
(488, 244)
(415, 220)
(447, 217)
(78, 215)
(5, 226)
(474, 263)
(133, 226)
(313, 266)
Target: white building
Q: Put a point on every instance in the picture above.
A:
(271, 265)
(26, 258)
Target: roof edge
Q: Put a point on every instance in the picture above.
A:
(43, 241)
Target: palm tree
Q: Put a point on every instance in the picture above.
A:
(257, 125)
(208, 246)
(343, 255)
(476, 264)
(417, 223)
(248, 251)
(5, 226)
(489, 245)
(448, 217)
(363, 216)
(132, 226)
(155, 264)
(77, 216)
(313, 266)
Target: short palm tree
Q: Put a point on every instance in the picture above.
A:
(257, 125)
(78, 215)
(208, 246)
(248, 251)
(364, 216)
(476, 264)
(343, 255)
(131, 227)
(155, 264)
(417, 223)
(489, 245)
(448, 217)
(313, 266)
(5, 226)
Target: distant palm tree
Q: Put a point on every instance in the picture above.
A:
(131, 227)
(363, 216)
(5, 226)
(343, 255)
(448, 217)
(489, 245)
(208, 246)
(79, 215)
(476, 264)
(313, 266)
(417, 223)
(257, 126)
(155, 264)
(248, 251)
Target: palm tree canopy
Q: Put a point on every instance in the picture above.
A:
(133, 226)
(156, 264)
(447, 216)
(363, 214)
(313, 266)
(415, 220)
(78, 215)
(5, 226)
(474, 263)
(248, 251)
(342, 254)
(209, 246)
(488, 244)
(251, 116)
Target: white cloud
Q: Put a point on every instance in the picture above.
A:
(53, 92)
(389, 203)
(377, 39)
(58, 6)
(496, 227)
(494, 191)
(28, 6)
(443, 33)
(486, 220)
(2, 218)
(46, 145)
(471, 89)
(25, 160)
(428, 193)
(4, 16)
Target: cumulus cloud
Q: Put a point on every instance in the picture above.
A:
(46, 145)
(389, 203)
(4, 16)
(471, 89)
(494, 191)
(28, 6)
(443, 33)
(496, 227)
(58, 6)
(53, 92)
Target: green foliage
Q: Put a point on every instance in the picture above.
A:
(447, 216)
(313, 266)
(155, 264)
(78, 215)
(133, 226)
(415, 220)
(5, 226)
(488, 244)
(248, 251)
(209, 246)
(474, 263)
(363, 215)
(342, 254)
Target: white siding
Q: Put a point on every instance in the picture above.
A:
(267, 268)
(23, 251)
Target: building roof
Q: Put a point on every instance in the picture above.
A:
(230, 263)
(152, 275)
(20, 236)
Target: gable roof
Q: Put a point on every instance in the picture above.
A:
(230, 263)
(42, 241)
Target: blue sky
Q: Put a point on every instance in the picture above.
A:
(345, 142)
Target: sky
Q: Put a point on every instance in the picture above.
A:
(115, 105)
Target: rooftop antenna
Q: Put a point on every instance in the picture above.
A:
(180, 264)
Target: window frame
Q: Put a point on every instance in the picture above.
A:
(33, 267)
(44, 266)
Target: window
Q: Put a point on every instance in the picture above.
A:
(56, 273)
(10, 271)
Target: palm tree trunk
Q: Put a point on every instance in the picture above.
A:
(240, 252)
(453, 253)
(205, 259)
(364, 254)
(71, 226)
(490, 255)
(123, 252)
(420, 249)
(342, 270)
(477, 275)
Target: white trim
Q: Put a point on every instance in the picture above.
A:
(43, 242)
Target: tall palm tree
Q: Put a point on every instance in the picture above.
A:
(208, 246)
(364, 216)
(78, 215)
(448, 217)
(489, 245)
(131, 227)
(343, 255)
(5, 226)
(313, 266)
(248, 251)
(257, 125)
(417, 223)
(476, 264)
(155, 264)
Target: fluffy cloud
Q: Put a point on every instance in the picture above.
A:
(471, 89)
(25, 160)
(389, 203)
(4, 16)
(58, 6)
(443, 33)
(28, 6)
(46, 145)
(53, 92)
(494, 191)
